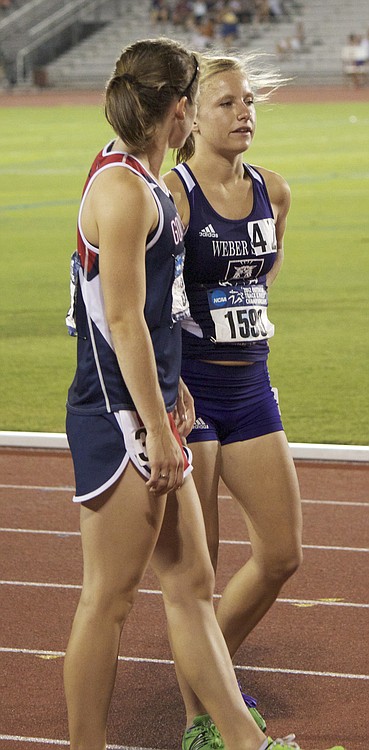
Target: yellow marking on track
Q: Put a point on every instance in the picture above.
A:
(326, 600)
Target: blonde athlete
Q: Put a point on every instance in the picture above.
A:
(234, 216)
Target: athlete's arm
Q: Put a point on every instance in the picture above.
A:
(280, 198)
(125, 213)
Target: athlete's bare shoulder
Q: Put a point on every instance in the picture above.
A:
(278, 188)
(111, 189)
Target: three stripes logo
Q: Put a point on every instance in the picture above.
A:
(200, 424)
(208, 231)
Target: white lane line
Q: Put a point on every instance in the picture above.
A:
(61, 743)
(36, 740)
(156, 592)
(169, 662)
(41, 585)
(232, 542)
(43, 488)
(5, 529)
(355, 503)
(36, 487)
(335, 548)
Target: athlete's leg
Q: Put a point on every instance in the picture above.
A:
(260, 474)
(119, 531)
(206, 469)
(182, 564)
(206, 472)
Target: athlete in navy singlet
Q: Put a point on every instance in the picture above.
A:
(225, 275)
(98, 386)
(235, 216)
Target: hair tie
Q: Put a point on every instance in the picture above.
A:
(128, 77)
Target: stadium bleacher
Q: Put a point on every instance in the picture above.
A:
(73, 44)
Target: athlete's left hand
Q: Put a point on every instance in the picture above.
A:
(184, 410)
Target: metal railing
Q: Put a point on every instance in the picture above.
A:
(18, 15)
(47, 29)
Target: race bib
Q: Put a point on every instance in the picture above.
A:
(180, 306)
(240, 314)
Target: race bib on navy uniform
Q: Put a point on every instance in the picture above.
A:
(240, 314)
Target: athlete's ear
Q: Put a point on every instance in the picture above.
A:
(180, 111)
(195, 127)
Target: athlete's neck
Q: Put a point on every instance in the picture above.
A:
(221, 168)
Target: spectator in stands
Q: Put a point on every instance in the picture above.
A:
(204, 34)
(275, 10)
(291, 44)
(262, 11)
(182, 13)
(354, 60)
(228, 25)
(365, 47)
(199, 11)
(247, 11)
(159, 11)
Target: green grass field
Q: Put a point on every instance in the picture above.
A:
(319, 305)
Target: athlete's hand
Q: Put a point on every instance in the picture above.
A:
(184, 411)
(166, 461)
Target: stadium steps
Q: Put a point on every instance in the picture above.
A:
(89, 64)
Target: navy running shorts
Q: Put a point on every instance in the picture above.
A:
(232, 402)
(102, 445)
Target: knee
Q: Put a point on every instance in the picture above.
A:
(110, 603)
(282, 566)
(196, 583)
(278, 567)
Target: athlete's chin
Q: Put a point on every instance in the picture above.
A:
(244, 139)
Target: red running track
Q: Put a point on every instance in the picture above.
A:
(307, 661)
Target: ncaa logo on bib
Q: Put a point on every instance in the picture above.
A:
(218, 299)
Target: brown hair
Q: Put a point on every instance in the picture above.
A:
(262, 78)
(148, 75)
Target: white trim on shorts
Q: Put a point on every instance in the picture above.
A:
(134, 434)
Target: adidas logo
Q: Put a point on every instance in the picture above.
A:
(200, 424)
(208, 231)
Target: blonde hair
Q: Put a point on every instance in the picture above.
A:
(148, 75)
(263, 80)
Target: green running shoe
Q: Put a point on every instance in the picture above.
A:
(288, 743)
(202, 735)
